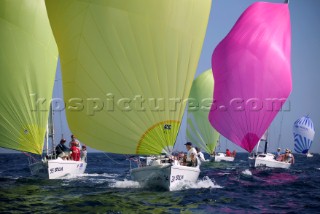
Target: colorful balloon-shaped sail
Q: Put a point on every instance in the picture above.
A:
(199, 129)
(252, 71)
(303, 133)
(127, 66)
(28, 60)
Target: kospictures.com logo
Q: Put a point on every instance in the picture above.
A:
(111, 103)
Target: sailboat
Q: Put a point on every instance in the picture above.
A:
(266, 159)
(220, 156)
(199, 129)
(51, 166)
(252, 72)
(127, 67)
(309, 155)
(28, 60)
(303, 133)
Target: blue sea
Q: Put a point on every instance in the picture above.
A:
(106, 188)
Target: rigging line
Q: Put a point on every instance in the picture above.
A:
(30, 156)
(218, 145)
(113, 160)
(227, 144)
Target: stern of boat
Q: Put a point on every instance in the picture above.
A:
(180, 175)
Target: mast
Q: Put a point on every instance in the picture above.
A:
(51, 127)
(257, 148)
(265, 136)
(47, 139)
(61, 124)
(265, 147)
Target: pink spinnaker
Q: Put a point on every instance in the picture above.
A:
(252, 72)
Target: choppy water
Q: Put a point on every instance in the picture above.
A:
(106, 188)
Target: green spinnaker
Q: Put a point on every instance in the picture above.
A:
(28, 60)
(199, 129)
(127, 66)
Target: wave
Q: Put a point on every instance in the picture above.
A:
(223, 173)
(230, 168)
(90, 178)
(106, 175)
(125, 184)
(246, 172)
(87, 175)
(205, 183)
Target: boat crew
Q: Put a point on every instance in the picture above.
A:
(278, 153)
(228, 153)
(289, 157)
(61, 150)
(74, 140)
(191, 159)
(75, 155)
(84, 153)
(200, 154)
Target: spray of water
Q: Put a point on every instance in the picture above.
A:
(246, 172)
(205, 183)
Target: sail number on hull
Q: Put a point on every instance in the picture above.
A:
(57, 169)
(176, 178)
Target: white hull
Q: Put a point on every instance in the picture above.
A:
(165, 176)
(222, 157)
(267, 160)
(309, 155)
(58, 168)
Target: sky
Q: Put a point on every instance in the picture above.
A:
(305, 60)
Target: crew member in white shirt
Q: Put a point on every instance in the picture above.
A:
(191, 159)
(200, 155)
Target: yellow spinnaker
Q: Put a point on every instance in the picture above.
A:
(199, 129)
(28, 60)
(127, 66)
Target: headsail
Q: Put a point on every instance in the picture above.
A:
(28, 60)
(199, 129)
(252, 73)
(126, 68)
(303, 133)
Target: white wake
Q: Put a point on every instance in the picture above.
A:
(205, 183)
(246, 172)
